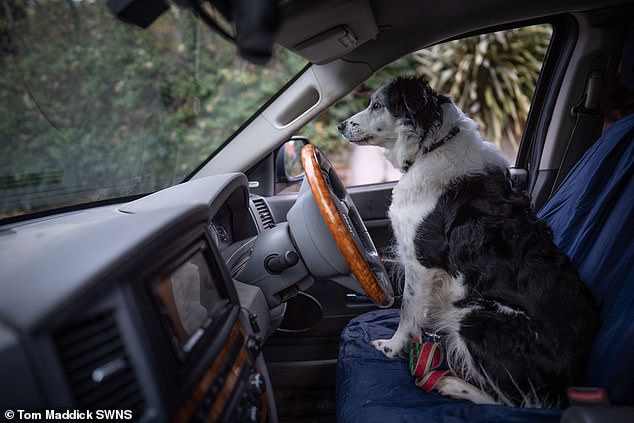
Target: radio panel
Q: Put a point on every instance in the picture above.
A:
(233, 388)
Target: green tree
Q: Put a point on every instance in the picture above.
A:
(491, 76)
(93, 108)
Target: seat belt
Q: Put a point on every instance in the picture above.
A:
(588, 118)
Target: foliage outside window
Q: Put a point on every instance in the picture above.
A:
(92, 108)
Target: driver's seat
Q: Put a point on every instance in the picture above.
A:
(591, 215)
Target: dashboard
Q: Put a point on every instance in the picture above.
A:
(134, 307)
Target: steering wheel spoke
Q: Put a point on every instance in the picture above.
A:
(346, 226)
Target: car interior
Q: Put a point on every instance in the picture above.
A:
(229, 298)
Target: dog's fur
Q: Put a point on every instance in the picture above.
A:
(480, 269)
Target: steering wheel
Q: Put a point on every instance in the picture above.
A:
(346, 226)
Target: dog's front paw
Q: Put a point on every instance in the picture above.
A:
(389, 347)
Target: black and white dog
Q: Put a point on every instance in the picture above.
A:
(479, 268)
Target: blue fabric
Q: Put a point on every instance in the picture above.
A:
(592, 219)
(594, 223)
(373, 388)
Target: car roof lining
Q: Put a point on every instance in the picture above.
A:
(400, 27)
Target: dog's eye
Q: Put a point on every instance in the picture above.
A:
(376, 106)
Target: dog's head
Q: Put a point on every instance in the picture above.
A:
(405, 106)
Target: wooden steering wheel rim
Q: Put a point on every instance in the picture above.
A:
(338, 228)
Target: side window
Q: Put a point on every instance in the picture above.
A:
(491, 77)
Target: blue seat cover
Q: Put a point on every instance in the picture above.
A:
(374, 388)
(592, 221)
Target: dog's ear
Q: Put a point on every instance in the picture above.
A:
(403, 95)
(413, 99)
(414, 103)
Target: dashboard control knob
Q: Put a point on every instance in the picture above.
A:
(277, 263)
(257, 384)
(253, 348)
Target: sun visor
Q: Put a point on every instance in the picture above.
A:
(328, 30)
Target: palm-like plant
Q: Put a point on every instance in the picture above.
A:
(492, 76)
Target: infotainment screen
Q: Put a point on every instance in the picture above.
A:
(192, 299)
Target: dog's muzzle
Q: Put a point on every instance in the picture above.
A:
(351, 131)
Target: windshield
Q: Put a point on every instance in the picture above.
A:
(94, 109)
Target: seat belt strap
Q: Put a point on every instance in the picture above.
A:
(588, 125)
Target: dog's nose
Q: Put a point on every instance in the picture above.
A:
(342, 126)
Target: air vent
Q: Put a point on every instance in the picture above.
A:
(97, 367)
(265, 214)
